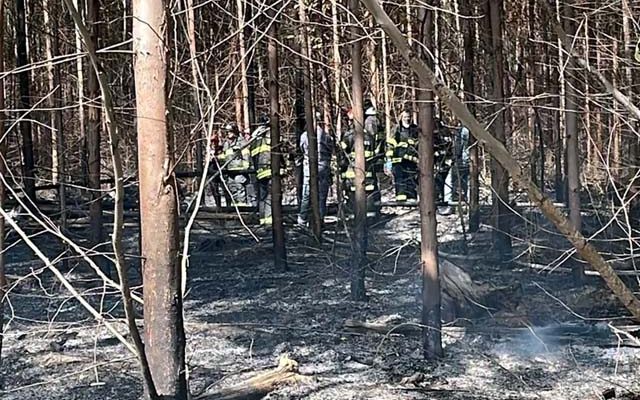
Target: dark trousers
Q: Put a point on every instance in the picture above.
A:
(459, 182)
(405, 174)
(263, 192)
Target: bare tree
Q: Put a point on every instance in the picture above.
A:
(571, 132)
(431, 332)
(359, 259)
(3, 153)
(279, 250)
(316, 224)
(499, 176)
(164, 330)
(468, 32)
(24, 84)
(55, 103)
(93, 135)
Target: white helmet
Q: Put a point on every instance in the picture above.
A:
(370, 111)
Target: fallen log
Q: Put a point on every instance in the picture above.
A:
(257, 387)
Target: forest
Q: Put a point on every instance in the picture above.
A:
(302, 199)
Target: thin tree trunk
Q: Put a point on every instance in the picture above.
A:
(359, 259)
(22, 60)
(279, 250)
(337, 70)
(431, 332)
(3, 153)
(571, 132)
(200, 138)
(385, 85)
(316, 223)
(412, 85)
(164, 329)
(251, 68)
(499, 151)
(499, 176)
(93, 135)
(242, 54)
(55, 103)
(82, 157)
(469, 89)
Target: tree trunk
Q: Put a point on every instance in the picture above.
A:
(242, 54)
(573, 160)
(164, 330)
(359, 259)
(3, 153)
(200, 139)
(499, 151)
(279, 250)
(51, 11)
(469, 92)
(499, 176)
(82, 158)
(93, 135)
(431, 332)
(316, 223)
(22, 60)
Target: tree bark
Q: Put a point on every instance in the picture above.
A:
(316, 223)
(242, 54)
(571, 132)
(359, 259)
(164, 330)
(431, 333)
(469, 92)
(24, 86)
(79, 5)
(279, 250)
(93, 135)
(3, 153)
(498, 150)
(50, 10)
(200, 138)
(499, 176)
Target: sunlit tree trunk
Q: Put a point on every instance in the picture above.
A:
(51, 9)
(359, 257)
(431, 332)
(164, 330)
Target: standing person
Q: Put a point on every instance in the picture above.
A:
(235, 155)
(346, 162)
(460, 169)
(261, 155)
(402, 153)
(325, 151)
(373, 126)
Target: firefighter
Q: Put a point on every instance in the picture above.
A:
(261, 156)
(235, 155)
(346, 162)
(215, 152)
(402, 154)
(373, 126)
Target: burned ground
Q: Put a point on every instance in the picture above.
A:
(547, 341)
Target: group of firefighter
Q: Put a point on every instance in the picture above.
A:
(396, 155)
